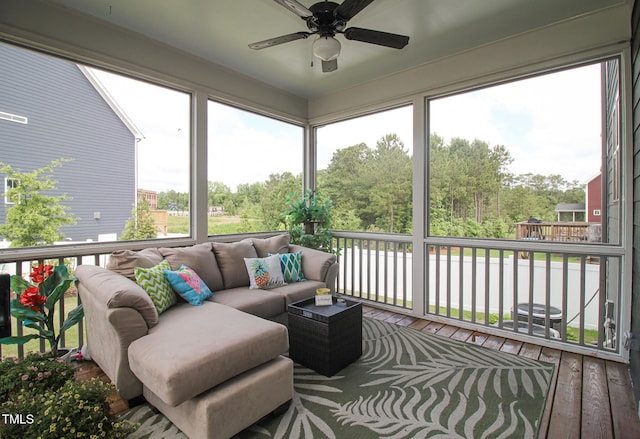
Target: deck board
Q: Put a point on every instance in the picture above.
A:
(566, 412)
(596, 412)
(550, 356)
(623, 408)
(588, 397)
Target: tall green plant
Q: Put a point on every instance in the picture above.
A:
(141, 224)
(35, 218)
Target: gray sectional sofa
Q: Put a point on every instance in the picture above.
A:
(212, 369)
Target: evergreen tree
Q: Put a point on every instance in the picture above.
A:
(35, 218)
(141, 224)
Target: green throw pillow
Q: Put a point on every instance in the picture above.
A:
(291, 264)
(155, 283)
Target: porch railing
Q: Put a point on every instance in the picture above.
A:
(560, 294)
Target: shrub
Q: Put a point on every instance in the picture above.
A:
(52, 404)
(77, 409)
(35, 373)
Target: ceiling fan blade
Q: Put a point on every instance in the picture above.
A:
(279, 40)
(376, 37)
(349, 8)
(330, 66)
(295, 7)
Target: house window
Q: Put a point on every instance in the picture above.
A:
(596, 212)
(11, 183)
(504, 156)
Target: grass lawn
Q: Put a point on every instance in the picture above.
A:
(493, 253)
(218, 225)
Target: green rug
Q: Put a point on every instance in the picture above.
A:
(407, 384)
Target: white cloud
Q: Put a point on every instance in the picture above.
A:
(247, 148)
(367, 129)
(550, 124)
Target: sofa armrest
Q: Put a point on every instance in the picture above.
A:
(116, 291)
(117, 312)
(318, 265)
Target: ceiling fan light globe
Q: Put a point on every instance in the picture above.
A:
(326, 48)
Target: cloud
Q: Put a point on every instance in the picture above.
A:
(247, 148)
(551, 124)
(367, 129)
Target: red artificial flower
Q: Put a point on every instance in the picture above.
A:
(32, 299)
(40, 272)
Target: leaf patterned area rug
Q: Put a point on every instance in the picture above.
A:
(410, 384)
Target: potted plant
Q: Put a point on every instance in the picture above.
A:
(308, 218)
(34, 305)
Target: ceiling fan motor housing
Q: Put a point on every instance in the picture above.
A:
(324, 20)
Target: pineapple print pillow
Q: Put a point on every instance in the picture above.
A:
(264, 273)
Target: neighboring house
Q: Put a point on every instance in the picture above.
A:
(151, 198)
(572, 212)
(51, 109)
(594, 199)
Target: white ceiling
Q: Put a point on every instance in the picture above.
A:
(220, 31)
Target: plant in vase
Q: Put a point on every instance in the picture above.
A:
(308, 218)
(35, 302)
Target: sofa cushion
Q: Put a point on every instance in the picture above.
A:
(273, 245)
(264, 273)
(188, 285)
(296, 291)
(230, 257)
(200, 258)
(261, 303)
(315, 263)
(156, 285)
(177, 366)
(124, 261)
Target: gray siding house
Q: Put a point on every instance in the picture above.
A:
(52, 109)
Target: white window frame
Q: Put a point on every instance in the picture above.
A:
(9, 185)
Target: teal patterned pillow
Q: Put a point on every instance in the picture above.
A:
(291, 264)
(155, 283)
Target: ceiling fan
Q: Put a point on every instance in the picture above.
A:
(326, 19)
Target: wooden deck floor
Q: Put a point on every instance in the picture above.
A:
(589, 398)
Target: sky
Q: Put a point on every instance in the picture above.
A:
(550, 124)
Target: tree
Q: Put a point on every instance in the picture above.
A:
(141, 224)
(35, 218)
(390, 180)
(219, 194)
(274, 198)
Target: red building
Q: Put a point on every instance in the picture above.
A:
(594, 199)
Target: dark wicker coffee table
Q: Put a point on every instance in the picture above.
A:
(325, 338)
